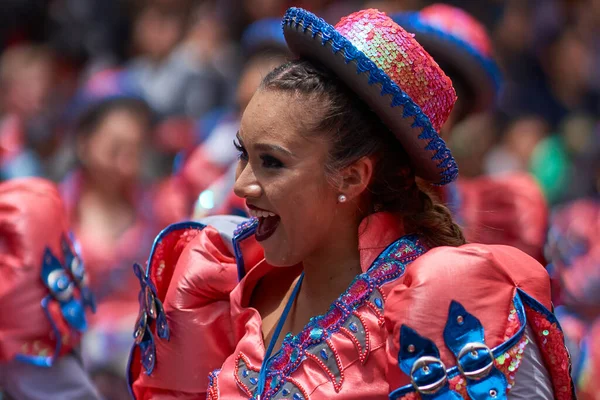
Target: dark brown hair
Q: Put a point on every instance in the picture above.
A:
(355, 132)
(91, 118)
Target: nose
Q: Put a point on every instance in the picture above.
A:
(246, 185)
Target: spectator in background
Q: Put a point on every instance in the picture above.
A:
(518, 143)
(176, 76)
(104, 193)
(264, 49)
(549, 59)
(25, 128)
(111, 212)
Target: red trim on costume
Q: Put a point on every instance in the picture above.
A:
(556, 357)
(363, 353)
(213, 386)
(236, 369)
(299, 386)
(336, 385)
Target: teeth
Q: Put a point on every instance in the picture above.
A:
(261, 213)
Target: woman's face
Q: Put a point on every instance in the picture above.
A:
(112, 154)
(281, 174)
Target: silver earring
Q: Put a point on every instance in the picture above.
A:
(342, 198)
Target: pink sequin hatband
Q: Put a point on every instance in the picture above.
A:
(391, 72)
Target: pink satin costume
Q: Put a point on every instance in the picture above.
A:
(198, 337)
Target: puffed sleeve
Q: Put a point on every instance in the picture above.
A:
(191, 282)
(43, 291)
(451, 298)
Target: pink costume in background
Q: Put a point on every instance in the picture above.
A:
(509, 210)
(43, 295)
(109, 261)
(574, 249)
(108, 264)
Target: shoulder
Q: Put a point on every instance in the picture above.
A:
(482, 278)
(190, 270)
(188, 253)
(477, 264)
(472, 294)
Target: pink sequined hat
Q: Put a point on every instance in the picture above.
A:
(460, 43)
(393, 75)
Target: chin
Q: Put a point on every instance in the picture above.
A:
(278, 261)
(276, 258)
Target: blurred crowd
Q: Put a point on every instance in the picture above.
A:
(132, 107)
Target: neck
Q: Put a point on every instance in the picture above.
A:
(116, 196)
(329, 272)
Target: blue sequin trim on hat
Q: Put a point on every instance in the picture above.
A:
(446, 163)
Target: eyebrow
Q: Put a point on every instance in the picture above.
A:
(267, 146)
(273, 147)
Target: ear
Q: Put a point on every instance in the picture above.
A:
(356, 177)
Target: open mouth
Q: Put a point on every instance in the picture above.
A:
(267, 223)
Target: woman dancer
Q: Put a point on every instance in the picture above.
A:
(372, 277)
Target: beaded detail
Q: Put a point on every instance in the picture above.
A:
(314, 341)
(243, 231)
(549, 337)
(244, 227)
(213, 386)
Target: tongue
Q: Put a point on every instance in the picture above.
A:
(266, 227)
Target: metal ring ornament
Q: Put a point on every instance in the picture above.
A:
(60, 285)
(432, 387)
(478, 373)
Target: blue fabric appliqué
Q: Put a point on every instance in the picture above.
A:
(66, 283)
(464, 337)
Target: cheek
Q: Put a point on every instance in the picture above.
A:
(307, 210)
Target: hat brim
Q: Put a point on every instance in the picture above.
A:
(311, 37)
(481, 73)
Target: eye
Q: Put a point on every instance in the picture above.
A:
(243, 153)
(271, 162)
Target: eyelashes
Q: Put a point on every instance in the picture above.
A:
(243, 153)
(268, 161)
(271, 162)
